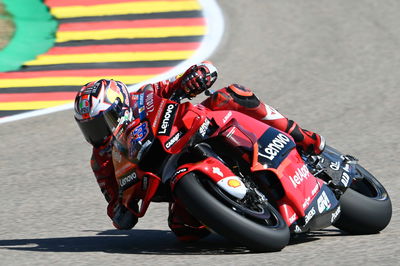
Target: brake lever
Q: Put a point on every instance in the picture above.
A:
(209, 92)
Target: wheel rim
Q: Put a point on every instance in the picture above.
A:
(366, 184)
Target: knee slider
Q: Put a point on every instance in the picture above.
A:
(240, 90)
(243, 96)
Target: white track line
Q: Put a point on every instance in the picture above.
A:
(215, 25)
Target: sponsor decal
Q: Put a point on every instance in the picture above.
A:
(150, 102)
(272, 114)
(93, 90)
(306, 202)
(84, 106)
(234, 186)
(128, 181)
(167, 119)
(140, 132)
(335, 214)
(323, 202)
(273, 147)
(227, 116)
(293, 218)
(158, 115)
(234, 183)
(276, 145)
(141, 99)
(173, 139)
(301, 174)
(315, 189)
(141, 107)
(345, 179)
(334, 166)
(309, 215)
(218, 171)
(203, 128)
(297, 229)
(179, 171)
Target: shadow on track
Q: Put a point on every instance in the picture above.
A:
(316, 235)
(144, 242)
(127, 242)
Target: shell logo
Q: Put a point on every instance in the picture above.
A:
(234, 186)
(234, 183)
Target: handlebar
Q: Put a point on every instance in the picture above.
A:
(179, 95)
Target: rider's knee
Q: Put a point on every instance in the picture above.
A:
(239, 90)
(243, 96)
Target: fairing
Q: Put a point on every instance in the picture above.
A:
(268, 149)
(177, 126)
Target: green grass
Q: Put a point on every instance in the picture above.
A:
(6, 27)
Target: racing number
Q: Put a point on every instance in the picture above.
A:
(140, 132)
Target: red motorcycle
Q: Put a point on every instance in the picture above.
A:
(240, 177)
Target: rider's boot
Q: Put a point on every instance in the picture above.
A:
(184, 225)
(239, 98)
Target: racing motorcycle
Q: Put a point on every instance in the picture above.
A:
(239, 177)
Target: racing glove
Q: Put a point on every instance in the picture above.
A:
(198, 78)
(123, 218)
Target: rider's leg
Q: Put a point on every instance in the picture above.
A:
(238, 98)
(184, 225)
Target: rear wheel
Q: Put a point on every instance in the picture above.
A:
(254, 223)
(365, 207)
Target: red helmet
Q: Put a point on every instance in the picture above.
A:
(97, 101)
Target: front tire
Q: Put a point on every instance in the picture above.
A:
(223, 219)
(365, 206)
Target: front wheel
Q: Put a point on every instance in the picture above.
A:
(365, 206)
(261, 227)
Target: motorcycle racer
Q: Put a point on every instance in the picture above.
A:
(99, 100)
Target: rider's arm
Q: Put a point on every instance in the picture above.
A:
(103, 170)
(193, 81)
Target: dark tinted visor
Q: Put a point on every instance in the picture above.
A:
(95, 130)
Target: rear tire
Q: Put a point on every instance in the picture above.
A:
(365, 207)
(258, 235)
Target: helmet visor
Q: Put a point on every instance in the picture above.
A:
(94, 130)
(117, 117)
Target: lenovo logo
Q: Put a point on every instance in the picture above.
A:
(168, 118)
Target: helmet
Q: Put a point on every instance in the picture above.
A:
(97, 101)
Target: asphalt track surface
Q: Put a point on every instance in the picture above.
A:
(331, 65)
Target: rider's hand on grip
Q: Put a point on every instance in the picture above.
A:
(198, 78)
